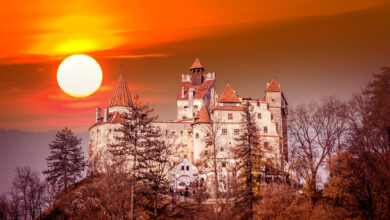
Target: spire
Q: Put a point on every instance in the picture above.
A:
(196, 66)
(229, 95)
(273, 87)
(121, 95)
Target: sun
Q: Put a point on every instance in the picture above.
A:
(79, 75)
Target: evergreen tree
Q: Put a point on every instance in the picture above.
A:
(66, 161)
(249, 164)
(153, 165)
(136, 136)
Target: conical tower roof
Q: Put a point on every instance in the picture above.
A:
(273, 87)
(121, 95)
(196, 66)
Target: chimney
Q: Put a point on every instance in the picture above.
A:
(267, 84)
(182, 92)
(105, 115)
(98, 111)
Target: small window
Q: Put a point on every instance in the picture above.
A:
(185, 155)
(181, 132)
(208, 135)
(258, 103)
(272, 116)
(230, 116)
(185, 107)
(236, 131)
(207, 145)
(266, 145)
(222, 149)
(258, 115)
(196, 135)
(206, 152)
(223, 164)
(224, 131)
(173, 133)
(182, 167)
(184, 117)
(188, 168)
(166, 132)
(265, 129)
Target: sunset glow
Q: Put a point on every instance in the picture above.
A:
(79, 75)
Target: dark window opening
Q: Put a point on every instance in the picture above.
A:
(258, 115)
(230, 116)
(265, 129)
(196, 135)
(182, 167)
(188, 168)
(224, 131)
(258, 103)
(223, 164)
(236, 131)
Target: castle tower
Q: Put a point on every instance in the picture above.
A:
(195, 91)
(102, 133)
(278, 107)
(197, 70)
(201, 121)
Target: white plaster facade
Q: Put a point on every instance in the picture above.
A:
(188, 133)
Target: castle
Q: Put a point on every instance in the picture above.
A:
(200, 110)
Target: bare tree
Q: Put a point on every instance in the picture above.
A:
(213, 140)
(4, 207)
(315, 132)
(28, 191)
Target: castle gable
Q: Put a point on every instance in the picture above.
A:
(228, 95)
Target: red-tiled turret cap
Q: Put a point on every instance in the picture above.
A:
(196, 66)
(121, 95)
(228, 95)
(273, 87)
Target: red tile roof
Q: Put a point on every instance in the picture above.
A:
(200, 90)
(202, 116)
(121, 95)
(273, 87)
(228, 95)
(263, 99)
(244, 97)
(196, 64)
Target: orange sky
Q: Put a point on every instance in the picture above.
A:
(329, 46)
